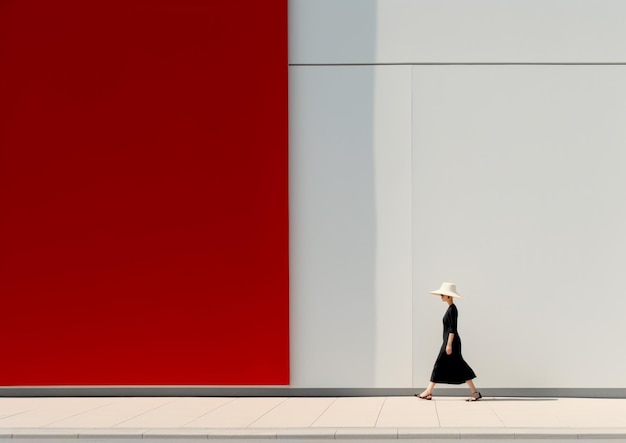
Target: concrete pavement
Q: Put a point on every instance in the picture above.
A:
(310, 418)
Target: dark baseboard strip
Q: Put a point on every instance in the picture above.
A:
(211, 391)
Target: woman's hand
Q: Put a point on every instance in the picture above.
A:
(449, 344)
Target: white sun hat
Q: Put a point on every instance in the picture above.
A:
(447, 289)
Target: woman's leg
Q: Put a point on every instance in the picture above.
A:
(475, 394)
(470, 383)
(429, 390)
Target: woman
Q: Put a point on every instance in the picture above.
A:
(450, 367)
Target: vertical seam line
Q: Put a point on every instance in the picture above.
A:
(411, 73)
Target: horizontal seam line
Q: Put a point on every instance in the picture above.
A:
(468, 64)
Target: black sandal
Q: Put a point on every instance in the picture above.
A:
(426, 397)
(475, 396)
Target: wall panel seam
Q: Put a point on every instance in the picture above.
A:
(467, 64)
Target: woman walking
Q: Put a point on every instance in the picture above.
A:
(450, 367)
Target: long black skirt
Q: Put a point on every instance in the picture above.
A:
(451, 369)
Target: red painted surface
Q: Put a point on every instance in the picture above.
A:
(143, 192)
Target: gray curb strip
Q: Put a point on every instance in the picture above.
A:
(317, 433)
(207, 391)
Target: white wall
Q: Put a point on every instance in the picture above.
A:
(518, 180)
(457, 31)
(350, 185)
(503, 178)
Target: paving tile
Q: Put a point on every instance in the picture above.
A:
(347, 418)
(515, 407)
(2, 416)
(532, 421)
(540, 412)
(354, 412)
(592, 412)
(14, 406)
(462, 414)
(294, 412)
(117, 410)
(589, 420)
(48, 410)
(239, 413)
(176, 413)
(407, 412)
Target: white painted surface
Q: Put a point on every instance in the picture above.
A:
(456, 31)
(518, 190)
(350, 206)
(513, 176)
(392, 175)
(328, 31)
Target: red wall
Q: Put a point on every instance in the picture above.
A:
(143, 192)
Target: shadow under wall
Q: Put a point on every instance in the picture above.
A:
(333, 203)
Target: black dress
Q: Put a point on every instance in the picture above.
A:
(451, 369)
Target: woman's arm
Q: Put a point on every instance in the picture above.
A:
(449, 345)
(453, 321)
